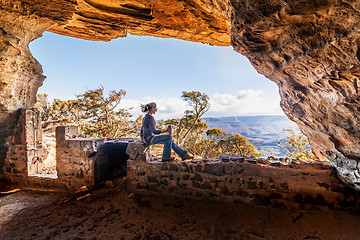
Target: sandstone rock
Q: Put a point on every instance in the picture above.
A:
(137, 151)
(310, 49)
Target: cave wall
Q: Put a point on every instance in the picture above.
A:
(308, 47)
(20, 73)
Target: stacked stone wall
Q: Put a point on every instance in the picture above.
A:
(74, 166)
(247, 181)
(25, 153)
(7, 123)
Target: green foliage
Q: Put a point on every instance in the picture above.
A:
(99, 116)
(199, 105)
(96, 115)
(296, 146)
(43, 105)
(210, 148)
(189, 129)
(239, 145)
(218, 142)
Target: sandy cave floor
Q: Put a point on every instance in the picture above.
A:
(109, 213)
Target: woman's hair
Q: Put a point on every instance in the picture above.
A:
(147, 107)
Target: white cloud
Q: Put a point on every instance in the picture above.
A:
(167, 107)
(244, 103)
(250, 93)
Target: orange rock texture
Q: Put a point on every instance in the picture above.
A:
(311, 50)
(308, 47)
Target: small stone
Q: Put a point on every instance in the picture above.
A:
(224, 190)
(252, 161)
(226, 157)
(276, 195)
(206, 186)
(198, 168)
(153, 188)
(319, 199)
(325, 185)
(152, 179)
(195, 184)
(109, 184)
(208, 169)
(186, 177)
(252, 185)
(309, 199)
(165, 182)
(197, 177)
(142, 173)
(275, 164)
(285, 185)
(173, 167)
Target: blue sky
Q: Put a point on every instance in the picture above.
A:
(155, 69)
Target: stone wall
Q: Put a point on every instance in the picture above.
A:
(245, 180)
(79, 161)
(25, 153)
(73, 165)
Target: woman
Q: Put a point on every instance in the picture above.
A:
(150, 135)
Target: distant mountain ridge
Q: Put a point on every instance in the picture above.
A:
(263, 131)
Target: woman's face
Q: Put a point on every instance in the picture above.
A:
(153, 110)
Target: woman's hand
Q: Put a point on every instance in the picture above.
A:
(169, 130)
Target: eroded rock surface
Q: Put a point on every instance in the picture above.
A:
(20, 73)
(308, 47)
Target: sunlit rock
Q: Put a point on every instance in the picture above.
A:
(309, 48)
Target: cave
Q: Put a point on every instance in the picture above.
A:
(309, 48)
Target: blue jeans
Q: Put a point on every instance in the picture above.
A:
(169, 144)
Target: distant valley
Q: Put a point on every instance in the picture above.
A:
(263, 132)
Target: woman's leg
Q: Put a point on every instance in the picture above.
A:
(166, 140)
(169, 144)
(179, 151)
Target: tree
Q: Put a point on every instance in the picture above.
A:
(101, 118)
(69, 110)
(239, 145)
(210, 148)
(96, 115)
(43, 105)
(216, 134)
(296, 146)
(199, 103)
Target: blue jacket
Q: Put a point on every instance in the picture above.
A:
(148, 129)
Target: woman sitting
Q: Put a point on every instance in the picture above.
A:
(150, 135)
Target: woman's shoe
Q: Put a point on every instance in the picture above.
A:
(168, 159)
(186, 157)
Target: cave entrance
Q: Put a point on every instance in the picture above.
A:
(40, 147)
(155, 69)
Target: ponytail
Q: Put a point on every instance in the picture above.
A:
(147, 107)
(144, 108)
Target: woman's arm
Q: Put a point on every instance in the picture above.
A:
(152, 126)
(156, 131)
